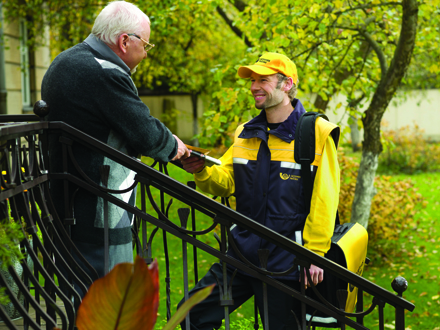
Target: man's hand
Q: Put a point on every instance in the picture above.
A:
(317, 275)
(193, 164)
(182, 151)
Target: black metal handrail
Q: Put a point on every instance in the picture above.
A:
(33, 158)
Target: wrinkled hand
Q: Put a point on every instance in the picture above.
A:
(193, 164)
(182, 151)
(317, 275)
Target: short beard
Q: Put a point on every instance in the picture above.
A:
(269, 103)
(261, 107)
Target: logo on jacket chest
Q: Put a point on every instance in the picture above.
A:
(285, 176)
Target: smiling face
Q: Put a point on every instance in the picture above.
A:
(265, 91)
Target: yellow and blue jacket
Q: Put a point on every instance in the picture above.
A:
(260, 170)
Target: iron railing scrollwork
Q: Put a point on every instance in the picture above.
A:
(25, 198)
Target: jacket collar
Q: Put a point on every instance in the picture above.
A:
(286, 130)
(105, 51)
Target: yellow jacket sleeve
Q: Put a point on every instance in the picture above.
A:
(218, 180)
(320, 222)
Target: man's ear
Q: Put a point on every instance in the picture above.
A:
(288, 83)
(122, 43)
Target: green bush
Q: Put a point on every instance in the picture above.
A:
(393, 208)
(407, 151)
(10, 236)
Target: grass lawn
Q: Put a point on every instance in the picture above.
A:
(418, 260)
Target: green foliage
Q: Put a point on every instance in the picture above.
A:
(338, 47)
(70, 21)
(416, 259)
(424, 69)
(10, 236)
(243, 324)
(198, 51)
(189, 35)
(407, 150)
(393, 208)
(191, 40)
(181, 313)
(354, 49)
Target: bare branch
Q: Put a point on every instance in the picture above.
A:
(234, 28)
(368, 6)
(379, 53)
(190, 41)
(319, 44)
(353, 103)
(389, 84)
(374, 45)
(240, 5)
(343, 58)
(362, 69)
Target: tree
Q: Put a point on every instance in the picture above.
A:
(190, 37)
(424, 69)
(361, 49)
(331, 42)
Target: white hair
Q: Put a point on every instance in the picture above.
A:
(116, 18)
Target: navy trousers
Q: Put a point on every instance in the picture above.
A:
(208, 314)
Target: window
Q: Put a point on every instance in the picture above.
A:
(25, 69)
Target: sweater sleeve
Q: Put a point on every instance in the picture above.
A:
(320, 222)
(218, 180)
(130, 117)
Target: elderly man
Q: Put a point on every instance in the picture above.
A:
(260, 170)
(89, 87)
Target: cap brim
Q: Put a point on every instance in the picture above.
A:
(246, 71)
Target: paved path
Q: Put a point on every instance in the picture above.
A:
(19, 322)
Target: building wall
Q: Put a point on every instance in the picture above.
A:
(419, 107)
(411, 108)
(11, 39)
(182, 104)
(38, 62)
(42, 60)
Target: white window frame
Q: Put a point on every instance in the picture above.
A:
(25, 68)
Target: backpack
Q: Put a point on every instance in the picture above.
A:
(349, 241)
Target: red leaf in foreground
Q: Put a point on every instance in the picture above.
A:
(126, 298)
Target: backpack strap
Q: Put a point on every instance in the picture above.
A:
(304, 150)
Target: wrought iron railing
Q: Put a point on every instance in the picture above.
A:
(25, 198)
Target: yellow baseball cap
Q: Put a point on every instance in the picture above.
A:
(271, 63)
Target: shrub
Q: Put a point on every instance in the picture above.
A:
(392, 210)
(406, 150)
(10, 236)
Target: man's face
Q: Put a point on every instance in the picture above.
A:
(136, 52)
(265, 91)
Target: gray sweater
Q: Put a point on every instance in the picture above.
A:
(89, 87)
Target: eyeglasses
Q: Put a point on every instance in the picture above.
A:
(147, 46)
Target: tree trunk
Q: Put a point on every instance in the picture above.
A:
(391, 78)
(353, 122)
(195, 142)
(365, 189)
(355, 134)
